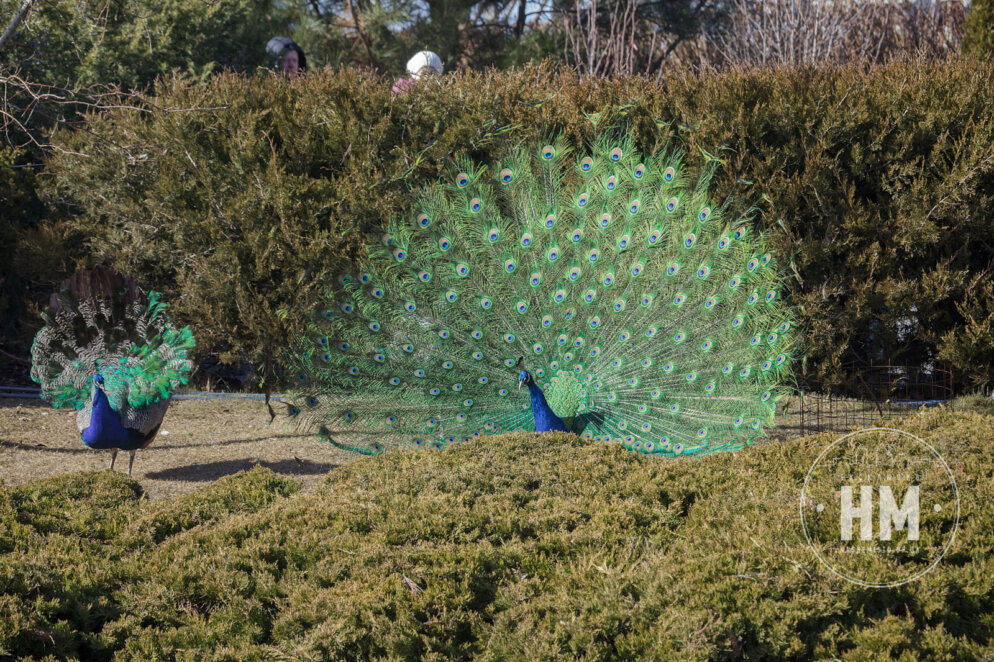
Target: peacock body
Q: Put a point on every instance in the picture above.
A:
(108, 350)
(633, 307)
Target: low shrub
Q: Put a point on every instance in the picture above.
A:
(520, 546)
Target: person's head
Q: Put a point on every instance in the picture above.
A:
(287, 56)
(423, 64)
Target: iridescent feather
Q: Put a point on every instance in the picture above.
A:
(645, 312)
(108, 350)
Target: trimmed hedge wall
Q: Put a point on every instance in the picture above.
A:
(876, 186)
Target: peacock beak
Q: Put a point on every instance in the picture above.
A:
(520, 382)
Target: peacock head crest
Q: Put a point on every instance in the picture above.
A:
(525, 378)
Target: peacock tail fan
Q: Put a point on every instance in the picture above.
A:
(646, 313)
(101, 322)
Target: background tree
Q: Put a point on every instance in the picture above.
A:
(978, 37)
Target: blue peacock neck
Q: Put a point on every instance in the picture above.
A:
(545, 419)
(105, 429)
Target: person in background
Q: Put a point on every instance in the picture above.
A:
(419, 67)
(287, 56)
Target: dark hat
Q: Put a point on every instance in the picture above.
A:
(277, 47)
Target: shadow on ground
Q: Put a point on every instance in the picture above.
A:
(38, 446)
(213, 470)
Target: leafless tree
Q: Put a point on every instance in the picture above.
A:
(621, 37)
(791, 32)
(603, 42)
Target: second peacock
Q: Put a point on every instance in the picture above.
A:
(633, 308)
(109, 351)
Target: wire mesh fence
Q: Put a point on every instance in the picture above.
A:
(866, 396)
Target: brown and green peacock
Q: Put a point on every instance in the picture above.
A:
(108, 350)
(633, 307)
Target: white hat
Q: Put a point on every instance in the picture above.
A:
(424, 59)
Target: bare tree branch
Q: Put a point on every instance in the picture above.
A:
(16, 21)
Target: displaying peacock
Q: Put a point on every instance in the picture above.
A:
(633, 308)
(108, 350)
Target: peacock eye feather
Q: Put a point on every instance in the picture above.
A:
(624, 362)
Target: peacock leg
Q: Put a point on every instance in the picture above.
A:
(113, 457)
(131, 463)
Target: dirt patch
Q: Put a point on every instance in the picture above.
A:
(201, 441)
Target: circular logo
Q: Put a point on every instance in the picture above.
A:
(880, 507)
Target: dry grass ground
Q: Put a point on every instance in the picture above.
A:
(206, 439)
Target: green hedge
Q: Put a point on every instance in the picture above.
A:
(876, 185)
(517, 547)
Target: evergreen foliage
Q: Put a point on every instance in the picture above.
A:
(21, 270)
(130, 42)
(878, 183)
(978, 36)
(507, 548)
